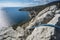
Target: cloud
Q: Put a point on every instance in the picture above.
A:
(16, 4)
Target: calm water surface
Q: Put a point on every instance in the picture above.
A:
(12, 15)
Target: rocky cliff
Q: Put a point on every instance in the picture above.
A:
(44, 26)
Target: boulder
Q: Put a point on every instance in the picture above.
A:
(7, 33)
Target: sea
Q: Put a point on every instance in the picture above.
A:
(11, 15)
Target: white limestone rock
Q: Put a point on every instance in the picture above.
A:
(41, 33)
(10, 34)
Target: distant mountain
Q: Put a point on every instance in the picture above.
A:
(40, 7)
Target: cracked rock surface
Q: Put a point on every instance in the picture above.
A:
(8, 33)
(41, 33)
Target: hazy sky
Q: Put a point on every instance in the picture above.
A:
(26, 0)
(14, 3)
(22, 3)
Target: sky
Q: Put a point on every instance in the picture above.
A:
(14, 3)
(22, 3)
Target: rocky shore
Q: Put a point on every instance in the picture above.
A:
(33, 30)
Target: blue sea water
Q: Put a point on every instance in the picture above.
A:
(15, 16)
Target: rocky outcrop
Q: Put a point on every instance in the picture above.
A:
(46, 32)
(8, 33)
(42, 33)
(33, 30)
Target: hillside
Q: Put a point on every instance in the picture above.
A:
(45, 25)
